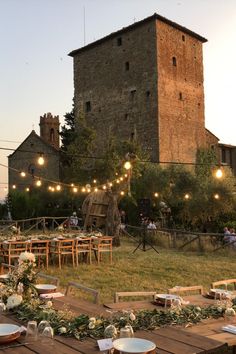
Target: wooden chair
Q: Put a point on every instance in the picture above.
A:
(49, 278)
(224, 283)
(92, 292)
(13, 249)
(133, 294)
(102, 245)
(40, 248)
(83, 248)
(186, 289)
(62, 249)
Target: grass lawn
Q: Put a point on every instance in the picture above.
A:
(149, 270)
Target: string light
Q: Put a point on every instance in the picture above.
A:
(23, 174)
(83, 189)
(58, 187)
(216, 196)
(127, 165)
(72, 184)
(38, 183)
(95, 190)
(27, 189)
(52, 189)
(186, 196)
(41, 160)
(104, 187)
(75, 189)
(219, 173)
(94, 181)
(14, 186)
(122, 193)
(156, 195)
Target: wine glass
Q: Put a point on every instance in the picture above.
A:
(126, 332)
(48, 335)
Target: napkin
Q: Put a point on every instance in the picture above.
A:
(230, 329)
(51, 295)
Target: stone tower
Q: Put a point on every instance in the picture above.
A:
(49, 129)
(145, 80)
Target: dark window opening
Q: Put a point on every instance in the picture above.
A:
(126, 116)
(183, 38)
(132, 136)
(148, 93)
(119, 41)
(52, 135)
(132, 92)
(127, 66)
(174, 62)
(223, 155)
(88, 106)
(181, 96)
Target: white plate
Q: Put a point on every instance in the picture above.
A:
(7, 329)
(133, 345)
(45, 288)
(167, 297)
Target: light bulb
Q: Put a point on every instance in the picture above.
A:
(41, 160)
(22, 174)
(219, 173)
(127, 165)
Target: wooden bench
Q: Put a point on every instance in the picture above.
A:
(120, 294)
(93, 292)
(224, 283)
(186, 289)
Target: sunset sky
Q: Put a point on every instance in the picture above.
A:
(36, 73)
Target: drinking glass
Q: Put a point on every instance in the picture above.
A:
(168, 301)
(42, 326)
(47, 335)
(31, 331)
(126, 332)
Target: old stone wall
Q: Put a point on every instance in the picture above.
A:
(25, 159)
(181, 122)
(115, 86)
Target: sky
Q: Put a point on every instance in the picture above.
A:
(36, 73)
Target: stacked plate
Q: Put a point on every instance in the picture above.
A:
(165, 299)
(133, 345)
(9, 332)
(45, 288)
(219, 293)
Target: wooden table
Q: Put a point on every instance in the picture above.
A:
(169, 340)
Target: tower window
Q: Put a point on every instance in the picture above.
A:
(126, 116)
(132, 92)
(148, 93)
(132, 136)
(174, 62)
(52, 135)
(127, 66)
(119, 41)
(88, 106)
(180, 96)
(183, 38)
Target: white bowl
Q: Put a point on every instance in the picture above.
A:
(133, 345)
(9, 332)
(45, 288)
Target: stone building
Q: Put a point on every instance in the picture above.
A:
(24, 158)
(145, 81)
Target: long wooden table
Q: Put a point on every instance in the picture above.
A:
(169, 340)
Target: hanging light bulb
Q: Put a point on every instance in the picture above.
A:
(186, 196)
(27, 189)
(110, 184)
(83, 189)
(38, 183)
(58, 187)
(52, 189)
(41, 160)
(156, 195)
(23, 174)
(216, 196)
(49, 188)
(127, 165)
(72, 184)
(75, 189)
(122, 193)
(104, 187)
(14, 186)
(95, 190)
(219, 173)
(121, 178)
(94, 181)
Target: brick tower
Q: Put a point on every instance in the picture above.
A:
(49, 129)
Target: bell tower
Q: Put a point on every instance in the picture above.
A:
(49, 129)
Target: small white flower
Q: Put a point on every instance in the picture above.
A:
(49, 303)
(230, 312)
(198, 309)
(14, 301)
(26, 256)
(92, 319)
(132, 316)
(91, 325)
(219, 309)
(62, 330)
